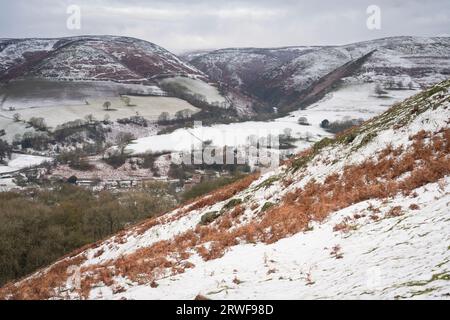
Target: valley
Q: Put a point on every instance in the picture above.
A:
(92, 129)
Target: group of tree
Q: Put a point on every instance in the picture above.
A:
(5, 150)
(33, 139)
(38, 123)
(116, 157)
(340, 125)
(39, 226)
(136, 120)
(123, 139)
(392, 85)
(76, 159)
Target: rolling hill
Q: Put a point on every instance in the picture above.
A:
(283, 76)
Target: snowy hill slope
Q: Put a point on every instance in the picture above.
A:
(89, 58)
(365, 215)
(271, 74)
(73, 71)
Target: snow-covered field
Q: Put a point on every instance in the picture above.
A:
(22, 161)
(349, 102)
(33, 92)
(233, 135)
(147, 107)
(11, 128)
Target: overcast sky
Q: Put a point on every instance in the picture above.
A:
(180, 25)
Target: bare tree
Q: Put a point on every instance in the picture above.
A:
(126, 100)
(17, 117)
(164, 117)
(379, 90)
(5, 150)
(38, 123)
(106, 105)
(123, 139)
(183, 114)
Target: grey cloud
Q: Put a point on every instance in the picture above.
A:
(197, 24)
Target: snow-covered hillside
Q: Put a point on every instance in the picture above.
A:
(110, 58)
(77, 75)
(70, 71)
(271, 74)
(365, 215)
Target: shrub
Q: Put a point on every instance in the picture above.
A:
(208, 217)
(303, 121)
(267, 206)
(38, 123)
(208, 186)
(325, 124)
(232, 203)
(340, 126)
(75, 159)
(115, 159)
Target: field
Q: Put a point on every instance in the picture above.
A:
(351, 101)
(30, 93)
(60, 102)
(22, 161)
(147, 107)
(197, 86)
(11, 128)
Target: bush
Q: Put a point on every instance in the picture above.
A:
(115, 159)
(232, 203)
(208, 217)
(208, 186)
(340, 126)
(38, 123)
(137, 120)
(35, 140)
(303, 121)
(325, 123)
(75, 159)
(267, 206)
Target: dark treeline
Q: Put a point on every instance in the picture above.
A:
(39, 226)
